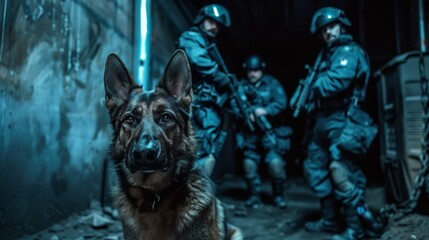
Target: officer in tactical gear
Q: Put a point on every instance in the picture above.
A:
(266, 98)
(208, 81)
(333, 173)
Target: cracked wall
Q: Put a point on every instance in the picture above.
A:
(54, 129)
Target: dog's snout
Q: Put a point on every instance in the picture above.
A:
(146, 150)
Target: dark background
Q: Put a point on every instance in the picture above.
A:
(54, 127)
(279, 31)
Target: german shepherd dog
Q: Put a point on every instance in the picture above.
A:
(161, 192)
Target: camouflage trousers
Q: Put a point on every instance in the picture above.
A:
(326, 164)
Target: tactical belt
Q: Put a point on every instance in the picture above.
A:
(333, 104)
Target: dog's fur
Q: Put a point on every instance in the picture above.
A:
(162, 194)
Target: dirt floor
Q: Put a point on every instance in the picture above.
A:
(266, 222)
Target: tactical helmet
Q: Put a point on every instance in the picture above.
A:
(254, 62)
(216, 12)
(327, 15)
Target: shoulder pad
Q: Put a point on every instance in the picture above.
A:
(347, 53)
(193, 33)
(355, 48)
(347, 48)
(193, 36)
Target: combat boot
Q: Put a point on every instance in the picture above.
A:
(323, 225)
(254, 201)
(280, 202)
(254, 186)
(349, 234)
(355, 202)
(330, 217)
(278, 189)
(354, 229)
(374, 227)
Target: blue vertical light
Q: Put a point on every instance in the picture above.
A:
(143, 36)
(143, 44)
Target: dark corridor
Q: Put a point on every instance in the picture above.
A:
(55, 175)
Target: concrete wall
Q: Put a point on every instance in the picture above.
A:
(54, 130)
(167, 28)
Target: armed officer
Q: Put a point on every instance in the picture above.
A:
(333, 174)
(267, 99)
(209, 82)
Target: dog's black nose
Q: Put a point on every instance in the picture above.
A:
(146, 150)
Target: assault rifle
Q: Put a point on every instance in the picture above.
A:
(300, 96)
(241, 98)
(261, 122)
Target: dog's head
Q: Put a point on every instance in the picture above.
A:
(153, 138)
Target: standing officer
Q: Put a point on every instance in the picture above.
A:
(208, 81)
(333, 174)
(266, 99)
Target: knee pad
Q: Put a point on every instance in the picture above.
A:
(250, 168)
(210, 164)
(276, 168)
(207, 163)
(340, 176)
(354, 197)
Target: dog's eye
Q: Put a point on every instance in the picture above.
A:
(129, 119)
(166, 118)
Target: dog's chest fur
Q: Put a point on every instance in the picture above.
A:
(178, 213)
(161, 224)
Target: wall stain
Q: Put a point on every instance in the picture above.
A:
(55, 129)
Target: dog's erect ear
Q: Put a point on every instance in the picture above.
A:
(177, 79)
(118, 82)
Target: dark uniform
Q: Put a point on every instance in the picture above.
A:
(334, 174)
(208, 81)
(344, 63)
(266, 147)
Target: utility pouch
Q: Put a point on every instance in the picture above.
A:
(358, 133)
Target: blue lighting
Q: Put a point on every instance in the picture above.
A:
(143, 33)
(215, 11)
